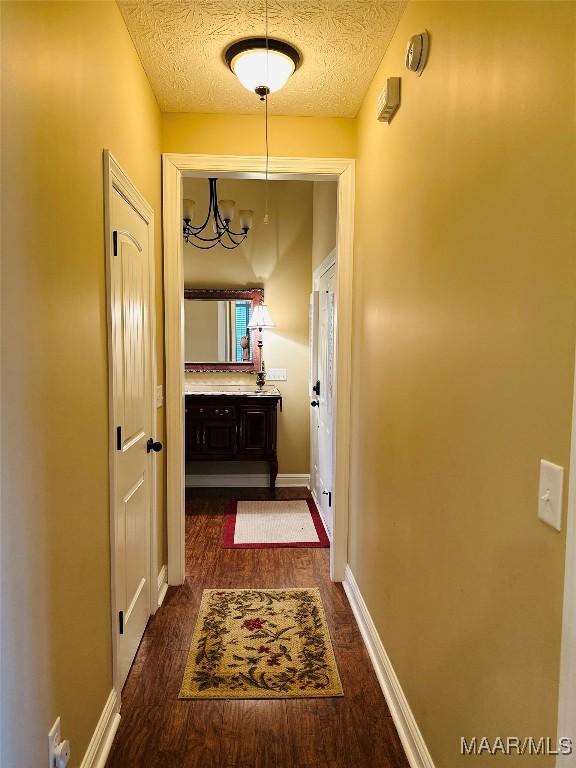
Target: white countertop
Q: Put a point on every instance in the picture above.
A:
(192, 388)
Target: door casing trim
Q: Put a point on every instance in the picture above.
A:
(116, 178)
(567, 692)
(174, 167)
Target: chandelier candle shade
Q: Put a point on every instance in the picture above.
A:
(216, 228)
(263, 65)
(260, 319)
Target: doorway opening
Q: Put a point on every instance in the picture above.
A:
(178, 172)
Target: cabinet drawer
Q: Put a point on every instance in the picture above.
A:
(200, 412)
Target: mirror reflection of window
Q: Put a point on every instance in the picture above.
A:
(241, 332)
(217, 331)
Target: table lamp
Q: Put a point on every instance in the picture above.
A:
(260, 319)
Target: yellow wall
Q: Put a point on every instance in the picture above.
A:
(278, 257)
(244, 135)
(464, 331)
(72, 85)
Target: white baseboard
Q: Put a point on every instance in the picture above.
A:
(162, 585)
(410, 736)
(245, 481)
(102, 738)
(315, 497)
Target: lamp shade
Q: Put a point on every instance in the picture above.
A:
(246, 218)
(262, 65)
(189, 206)
(260, 317)
(227, 209)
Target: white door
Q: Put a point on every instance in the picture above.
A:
(131, 362)
(322, 395)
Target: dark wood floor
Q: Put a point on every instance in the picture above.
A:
(157, 729)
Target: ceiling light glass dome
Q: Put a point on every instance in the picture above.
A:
(262, 66)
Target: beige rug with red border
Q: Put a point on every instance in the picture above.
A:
(274, 523)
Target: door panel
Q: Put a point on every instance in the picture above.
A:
(322, 416)
(132, 377)
(134, 509)
(193, 439)
(218, 438)
(134, 275)
(254, 430)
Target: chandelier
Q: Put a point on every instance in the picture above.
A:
(217, 227)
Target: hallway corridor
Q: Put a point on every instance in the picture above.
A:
(157, 729)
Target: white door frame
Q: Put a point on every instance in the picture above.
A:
(567, 694)
(174, 166)
(330, 261)
(115, 178)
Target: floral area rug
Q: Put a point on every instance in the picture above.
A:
(261, 644)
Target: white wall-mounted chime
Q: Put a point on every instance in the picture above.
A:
(389, 100)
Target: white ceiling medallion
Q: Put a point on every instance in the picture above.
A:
(263, 65)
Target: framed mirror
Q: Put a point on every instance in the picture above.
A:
(216, 335)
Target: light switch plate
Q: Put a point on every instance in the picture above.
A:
(550, 494)
(276, 374)
(159, 396)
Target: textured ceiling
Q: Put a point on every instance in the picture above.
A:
(180, 43)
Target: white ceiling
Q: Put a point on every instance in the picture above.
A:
(180, 43)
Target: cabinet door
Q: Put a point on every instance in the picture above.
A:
(219, 438)
(193, 439)
(256, 431)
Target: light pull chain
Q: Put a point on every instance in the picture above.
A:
(266, 217)
(266, 199)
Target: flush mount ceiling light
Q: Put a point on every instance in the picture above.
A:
(262, 64)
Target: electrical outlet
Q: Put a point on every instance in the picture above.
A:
(58, 750)
(159, 396)
(276, 374)
(63, 754)
(54, 739)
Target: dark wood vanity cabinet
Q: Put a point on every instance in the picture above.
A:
(227, 427)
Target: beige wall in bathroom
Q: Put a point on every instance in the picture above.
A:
(201, 330)
(277, 257)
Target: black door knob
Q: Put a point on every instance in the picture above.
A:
(153, 446)
(314, 403)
